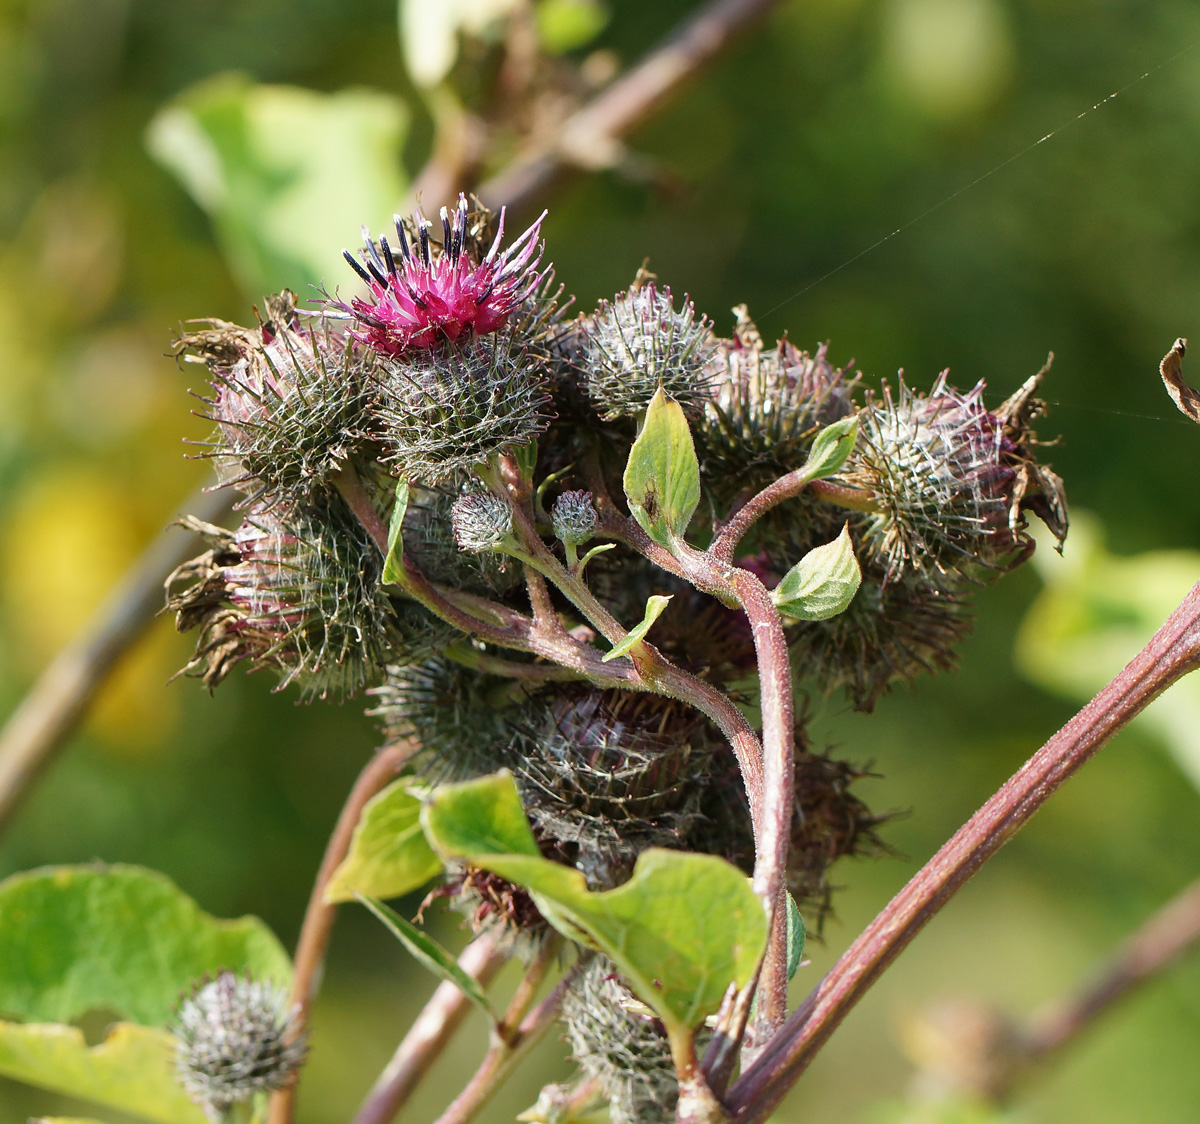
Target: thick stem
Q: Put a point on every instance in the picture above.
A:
(429, 1035)
(318, 918)
(779, 734)
(1171, 653)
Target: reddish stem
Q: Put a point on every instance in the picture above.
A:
(1171, 653)
(428, 1036)
(380, 771)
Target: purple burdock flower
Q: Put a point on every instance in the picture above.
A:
(426, 294)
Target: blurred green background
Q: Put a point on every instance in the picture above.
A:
(828, 127)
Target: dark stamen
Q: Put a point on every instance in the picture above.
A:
(387, 253)
(356, 267)
(377, 273)
(425, 242)
(403, 241)
(372, 252)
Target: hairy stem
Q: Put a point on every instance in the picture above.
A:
(318, 918)
(461, 652)
(1171, 653)
(429, 1035)
(779, 744)
(785, 488)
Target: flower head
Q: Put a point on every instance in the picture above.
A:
(942, 470)
(639, 342)
(296, 590)
(425, 294)
(235, 1037)
(481, 522)
(287, 399)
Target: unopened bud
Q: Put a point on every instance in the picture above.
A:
(235, 1037)
(574, 517)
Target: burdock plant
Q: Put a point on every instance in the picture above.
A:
(582, 566)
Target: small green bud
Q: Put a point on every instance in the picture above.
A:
(574, 518)
(481, 521)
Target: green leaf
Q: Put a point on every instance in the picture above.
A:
(389, 854)
(393, 565)
(662, 476)
(428, 952)
(286, 174)
(797, 934)
(822, 584)
(130, 1070)
(117, 938)
(654, 607)
(680, 930)
(484, 815)
(563, 25)
(831, 447)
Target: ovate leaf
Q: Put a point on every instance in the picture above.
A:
(393, 565)
(662, 475)
(428, 952)
(389, 854)
(118, 938)
(822, 584)
(680, 930)
(287, 174)
(654, 607)
(483, 816)
(130, 1070)
(831, 447)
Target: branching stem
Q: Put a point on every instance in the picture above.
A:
(1172, 652)
(517, 1032)
(1169, 934)
(429, 1035)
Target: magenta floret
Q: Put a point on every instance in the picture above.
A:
(426, 294)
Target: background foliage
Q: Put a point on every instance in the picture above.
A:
(822, 132)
